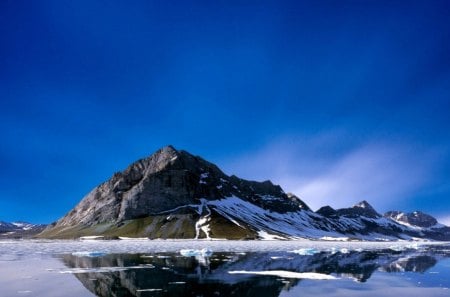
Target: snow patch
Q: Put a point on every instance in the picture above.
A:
(133, 238)
(263, 235)
(202, 223)
(92, 237)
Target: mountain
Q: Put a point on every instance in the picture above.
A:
(414, 219)
(174, 194)
(19, 229)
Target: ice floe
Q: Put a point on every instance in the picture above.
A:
(149, 290)
(102, 269)
(89, 254)
(306, 251)
(205, 252)
(287, 274)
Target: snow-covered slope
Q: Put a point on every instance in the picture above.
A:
(173, 194)
(307, 224)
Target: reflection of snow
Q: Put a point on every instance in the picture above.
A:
(202, 256)
(287, 274)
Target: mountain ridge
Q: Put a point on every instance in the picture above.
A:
(20, 229)
(174, 194)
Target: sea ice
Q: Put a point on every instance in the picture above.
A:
(101, 269)
(306, 251)
(88, 254)
(149, 290)
(205, 252)
(287, 274)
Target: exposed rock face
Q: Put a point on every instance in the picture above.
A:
(416, 218)
(167, 180)
(173, 194)
(327, 211)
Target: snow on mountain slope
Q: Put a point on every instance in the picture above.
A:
(174, 194)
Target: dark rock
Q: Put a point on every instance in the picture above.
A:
(327, 211)
(362, 208)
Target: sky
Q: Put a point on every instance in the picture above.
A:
(336, 101)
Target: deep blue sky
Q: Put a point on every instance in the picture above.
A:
(338, 101)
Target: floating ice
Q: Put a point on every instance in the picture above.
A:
(287, 274)
(205, 252)
(306, 251)
(399, 248)
(89, 254)
(177, 283)
(100, 269)
(149, 290)
(344, 251)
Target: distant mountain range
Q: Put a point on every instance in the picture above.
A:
(19, 229)
(174, 194)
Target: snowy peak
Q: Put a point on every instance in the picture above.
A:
(364, 204)
(416, 218)
(19, 229)
(362, 208)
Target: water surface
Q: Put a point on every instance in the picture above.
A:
(223, 268)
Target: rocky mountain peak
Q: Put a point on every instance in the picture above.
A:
(166, 180)
(364, 205)
(362, 208)
(327, 211)
(174, 194)
(416, 218)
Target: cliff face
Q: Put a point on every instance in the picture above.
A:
(173, 194)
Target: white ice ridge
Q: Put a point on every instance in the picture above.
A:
(287, 274)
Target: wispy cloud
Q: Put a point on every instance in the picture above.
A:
(444, 220)
(384, 174)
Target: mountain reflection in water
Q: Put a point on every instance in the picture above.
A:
(171, 274)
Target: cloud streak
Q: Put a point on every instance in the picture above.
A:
(384, 174)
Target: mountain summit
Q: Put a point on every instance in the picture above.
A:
(174, 194)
